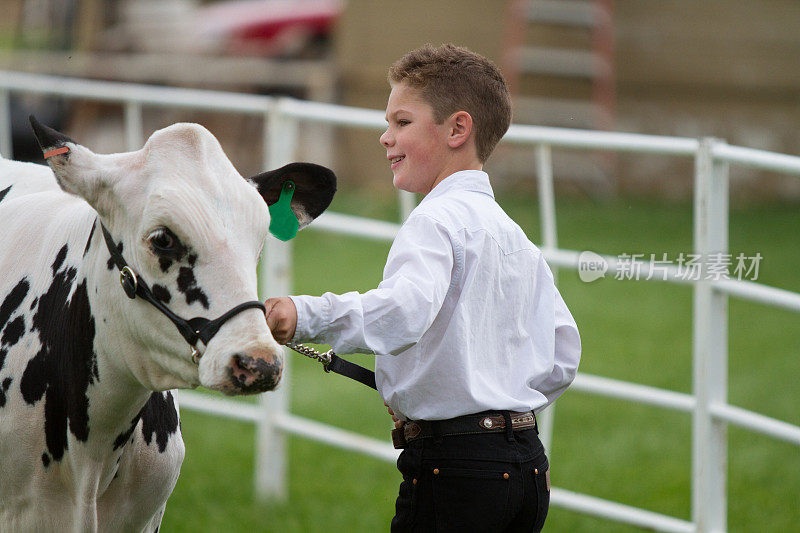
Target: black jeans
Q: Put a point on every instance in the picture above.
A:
(464, 483)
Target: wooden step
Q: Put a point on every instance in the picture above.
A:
(574, 13)
(565, 62)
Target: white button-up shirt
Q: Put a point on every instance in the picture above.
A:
(467, 317)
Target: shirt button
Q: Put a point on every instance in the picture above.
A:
(436, 471)
(414, 481)
(506, 476)
(535, 471)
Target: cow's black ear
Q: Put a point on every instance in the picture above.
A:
(314, 187)
(48, 138)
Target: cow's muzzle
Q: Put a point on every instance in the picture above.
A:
(255, 372)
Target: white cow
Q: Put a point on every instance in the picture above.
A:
(85, 442)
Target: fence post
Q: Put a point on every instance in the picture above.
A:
(408, 201)
(710, 344)
(134, 132)
(547, 217)
(274, 278)
(6, 135)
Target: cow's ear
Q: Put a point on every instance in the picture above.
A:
(311, 188)
(75, 167)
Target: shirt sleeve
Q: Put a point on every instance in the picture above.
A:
(567, 353)
(392, 317)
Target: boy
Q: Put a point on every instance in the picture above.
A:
(472, 333)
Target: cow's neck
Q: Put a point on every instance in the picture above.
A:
(127, 367)
(84, 399)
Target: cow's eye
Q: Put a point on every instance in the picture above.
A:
(163, 240)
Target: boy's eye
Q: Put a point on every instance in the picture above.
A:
(404, 122)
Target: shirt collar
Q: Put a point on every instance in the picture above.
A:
(464, 180)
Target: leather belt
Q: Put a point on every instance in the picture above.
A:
(487, 422)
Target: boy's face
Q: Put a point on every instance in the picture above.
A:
(415, 144)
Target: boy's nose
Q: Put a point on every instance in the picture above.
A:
(384, 139)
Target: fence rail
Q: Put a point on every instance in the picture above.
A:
(708, 401)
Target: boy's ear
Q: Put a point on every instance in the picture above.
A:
(312, 192)
(460, 128)
(77, 170)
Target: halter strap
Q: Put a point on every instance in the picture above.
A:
(193, 330)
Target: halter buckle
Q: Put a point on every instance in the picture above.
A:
(127, 278)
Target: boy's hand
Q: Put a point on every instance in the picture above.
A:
(397, 422)
(281, 318)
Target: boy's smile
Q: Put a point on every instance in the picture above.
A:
(415, 144)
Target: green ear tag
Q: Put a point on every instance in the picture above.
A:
(283, 224)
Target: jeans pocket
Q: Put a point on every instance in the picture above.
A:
(542, 475)
(470, 499)
(407, 497)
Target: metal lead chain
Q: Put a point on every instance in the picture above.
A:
(324, 358)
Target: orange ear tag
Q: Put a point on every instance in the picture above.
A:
(56, 151)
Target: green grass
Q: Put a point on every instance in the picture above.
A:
(629, 453)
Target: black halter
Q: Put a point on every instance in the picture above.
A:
(193, 330)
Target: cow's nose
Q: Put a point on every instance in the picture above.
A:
(256, 370)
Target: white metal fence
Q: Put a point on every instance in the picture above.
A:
(708, 403)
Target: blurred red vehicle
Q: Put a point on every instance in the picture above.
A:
(277, 28)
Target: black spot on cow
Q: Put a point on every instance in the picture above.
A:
(62, 255)
(187, 284)
(164, 263)
(4, 192)
(161, 293)
(159, 419)
(45, 460)
(13, 331)
(89, 240)
(34, 302)
(66, 364)
(192, 259)
(4, 386)
(123, 437)
(12, 301)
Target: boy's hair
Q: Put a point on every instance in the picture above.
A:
(452, 78)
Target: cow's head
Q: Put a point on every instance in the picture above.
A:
(192, 228)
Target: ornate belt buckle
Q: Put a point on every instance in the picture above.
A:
(399, 438)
